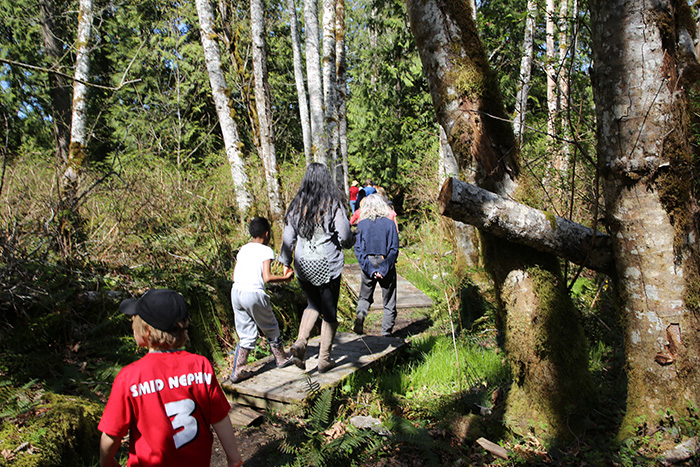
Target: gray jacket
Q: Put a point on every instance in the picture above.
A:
(338, 236)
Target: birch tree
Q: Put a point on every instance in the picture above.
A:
(646, 165)
(550, 72)
(314, 80)
(330, 128)
(299, 80)
(342, 92)
(78, 133)
(525, 70)
(264, 109)
(219, 88)
(549, 368)
(562, 161)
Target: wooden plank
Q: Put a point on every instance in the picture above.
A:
(272, 387)
(407, 294)
(241, 415)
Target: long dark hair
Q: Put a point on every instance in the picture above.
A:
(317, 195)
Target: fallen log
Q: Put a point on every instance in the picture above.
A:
(525, 225)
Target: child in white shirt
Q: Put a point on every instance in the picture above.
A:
(251, 305)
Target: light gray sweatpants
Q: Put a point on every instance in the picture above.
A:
(252, 310)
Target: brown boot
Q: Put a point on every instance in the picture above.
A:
(308, 320)
(239, 373)
(324, 352)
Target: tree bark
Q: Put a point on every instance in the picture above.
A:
(59, 90)
(342, 93)
(466, 237)
(229, 129)
(78, 133)
(314, 79)
(264, 109)
(525, 70)
(543, 340)
(647, 168)
(525, 225)
(330, 130)
(299, 80)
(550, 71)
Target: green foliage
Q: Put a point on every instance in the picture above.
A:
(24, 98)
(392, 127)
(312, 448)
(64, 434)
(16, 401)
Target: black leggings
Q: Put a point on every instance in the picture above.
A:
(323, 298)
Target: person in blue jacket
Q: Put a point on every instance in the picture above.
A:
(376, 249)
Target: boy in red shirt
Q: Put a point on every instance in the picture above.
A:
(167, 400)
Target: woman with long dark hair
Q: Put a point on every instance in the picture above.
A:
(316, 231)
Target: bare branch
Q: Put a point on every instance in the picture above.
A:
(49, 70)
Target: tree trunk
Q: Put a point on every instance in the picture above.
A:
(466, 236)
(525, 225)
(647, 168)
(342, 93)
(525, 70)
(59, 89)
(550, 71)
(264, 109)
(560, 157)
(313, 76)
(329, 90)
(78, 130)
(299, 80)
(544, 343)
(219, 89)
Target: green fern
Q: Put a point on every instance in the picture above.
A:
(15, 401)
(321, 410)
(310, 447)
(313, 387)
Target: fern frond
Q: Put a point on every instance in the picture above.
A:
(15, 401)
(320, 412)
(313, 387)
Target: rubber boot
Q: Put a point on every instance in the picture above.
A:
(324, 352)
(240, 358)
(308, 320)
(282, 358)
(359, 325)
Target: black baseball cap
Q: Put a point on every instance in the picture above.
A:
(161, 308)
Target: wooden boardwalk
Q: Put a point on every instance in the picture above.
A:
(407, 294)
(285, 389)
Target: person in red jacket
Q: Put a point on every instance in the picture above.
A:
(354, 189)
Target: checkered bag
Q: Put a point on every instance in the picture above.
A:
(311, 258)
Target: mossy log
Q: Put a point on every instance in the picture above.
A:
(525, 225)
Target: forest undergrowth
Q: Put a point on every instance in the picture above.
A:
(62, 339)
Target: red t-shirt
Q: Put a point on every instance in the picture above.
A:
(167, 402)
(354, 190)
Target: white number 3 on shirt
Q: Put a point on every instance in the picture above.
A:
(182, 412)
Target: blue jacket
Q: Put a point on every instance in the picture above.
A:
(377, 237)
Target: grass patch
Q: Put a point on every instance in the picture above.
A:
(432, 377)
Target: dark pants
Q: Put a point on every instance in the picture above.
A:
(366, 298)
(323, 298)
